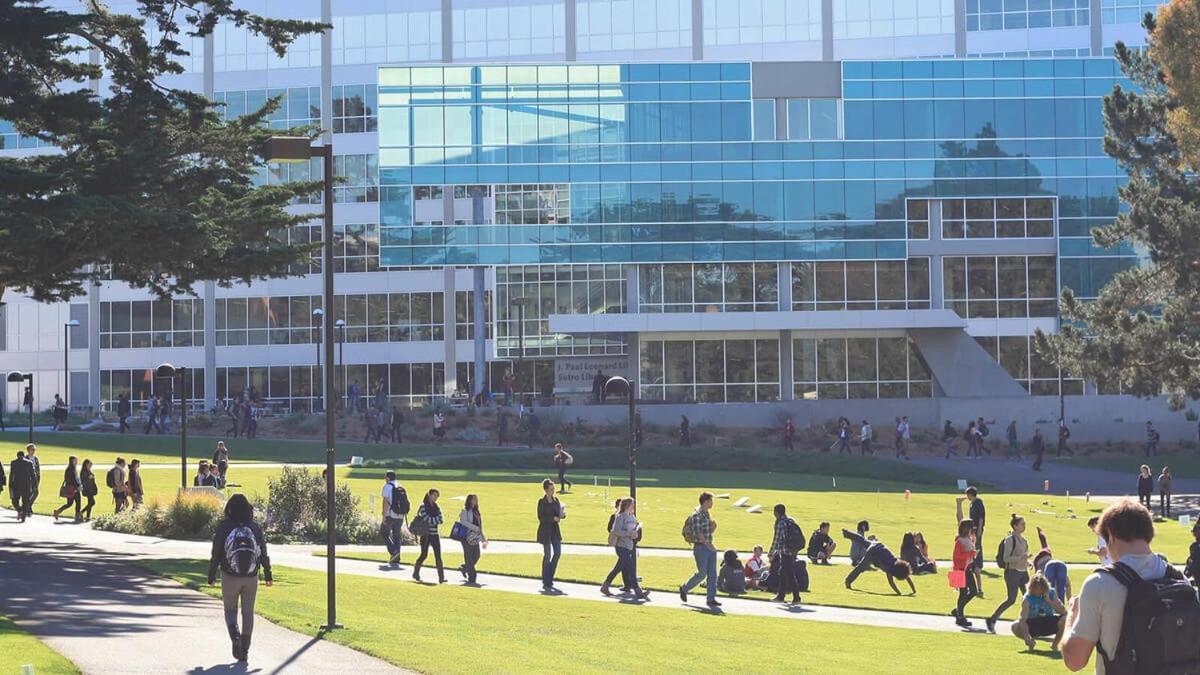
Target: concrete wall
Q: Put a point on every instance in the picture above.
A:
(1091, 418)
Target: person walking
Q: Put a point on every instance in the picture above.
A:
(550, 512)
(439, 427)
(1064, 432)
(906, 431)
(597, 386)
(397, 425)
(20, 485)
(1145, 486)
(395, 513)
(865, 434)
(977, 513)
(371, 422)
(562, 459)
(981, 434)
(843, 436)
(220, 459)
(234, 411)
(899, 442)
(698, 530)
(1014, 445)
(152, 407)
(685, 432)
(70, 489)
(789, 433)
(87, 481)
(626, 532)
(1164, 492)
(472, 544)
(31, 455)
(1014, 553)
(787, 542)
(1037, 445)
(115, 480)
(1152, 439)
(948, 437)
(972, 439)
(962, 562)
(136, 493)
(502, 427)
(239, 550)
(617, 568)
(58, 413)
(355, 396)
(27, 401)
(124, 410)
(430, 515)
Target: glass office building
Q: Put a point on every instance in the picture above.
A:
(728, 200)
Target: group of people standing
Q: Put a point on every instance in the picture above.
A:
(1145, 487)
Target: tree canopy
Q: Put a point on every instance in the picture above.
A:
(147, 181)
(1143, 330)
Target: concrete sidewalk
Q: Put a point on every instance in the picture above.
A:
(108, 616)
(1019, 476)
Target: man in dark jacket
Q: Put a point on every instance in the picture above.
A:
(20, 485)
(136, 492)
(124, 410)
(31, 457)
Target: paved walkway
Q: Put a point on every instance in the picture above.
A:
(109, 616)
(1012, 476)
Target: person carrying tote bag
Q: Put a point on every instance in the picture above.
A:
(429, 517)
(469, 531)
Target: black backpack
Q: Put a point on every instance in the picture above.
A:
(1000, 553)
(110, 479)
(242, 551)
(400, 505)
(1160, 629)
(795, 536)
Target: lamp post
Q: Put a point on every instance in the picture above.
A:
(169, 372)
(340, 336)
(618, 380)
(520, 303)
(300, 149)
(18, 376)
(66, 369)
(318, 313)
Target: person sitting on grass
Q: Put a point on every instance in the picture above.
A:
(732, 578)
(756, 569)
(1042, 614)
(205, 477)
(878, 554)
(911, 553)
(857, 548)
(821, 545)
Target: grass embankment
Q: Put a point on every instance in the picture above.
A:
(827, 583)
(19, 648)
(452, 629)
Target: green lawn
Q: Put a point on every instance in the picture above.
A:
(508, 500)
(19, 648)
(827, 584)
(446, 629)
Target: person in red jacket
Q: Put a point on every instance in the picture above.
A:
(963, 560)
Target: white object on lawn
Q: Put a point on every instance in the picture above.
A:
(742, 502)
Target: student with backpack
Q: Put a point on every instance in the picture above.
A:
(1013, 558)
(240, 551)
(948, 437)
(1064, 432)
(617, 568)
(698, 531)
(428, 520)
(395, 512)
(469, 531)
(981, 434)
(1139, 614)
(115, 480)
(788, 541)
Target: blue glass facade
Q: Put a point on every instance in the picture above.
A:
(659, 162)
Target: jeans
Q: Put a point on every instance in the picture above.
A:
(1144, 500)
(234, 589)
(74, 499)
(627, 559)
(966, 593)
(619, 568)
(1164, 504)
(563, 483)
(87, 510)
(948, 446)
(843, 444)
(392, 528)
(471, 554)
(865, 564)
(435, 542)
(787, 578)
(706, 568)
(1014, 581)
(865, 447)
(551, 552)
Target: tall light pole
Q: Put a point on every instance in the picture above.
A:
(18, 376)
(318, 313)
(169, 372)
(66, 369)
(520, 303)
(300, 149)
(340, 336)
(632, 440)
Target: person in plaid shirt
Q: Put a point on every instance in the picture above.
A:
(785, 556)
(699, 529)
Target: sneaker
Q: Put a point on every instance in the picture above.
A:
(779, 598)
(682, 594)
(237, 649)
(604, 590)
(713, 603)
(991, 625)
(962, 622)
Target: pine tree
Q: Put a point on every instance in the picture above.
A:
(1143, 330)
(147, 181)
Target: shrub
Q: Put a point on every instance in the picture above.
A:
(188, 516)
(296, 509)
(1191, 415)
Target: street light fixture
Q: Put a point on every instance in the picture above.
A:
(318, 313)
(301, 149)
(73, 323)
(629, 389)
(169, 372)
(18, 376)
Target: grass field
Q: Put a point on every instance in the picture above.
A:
(441, 629)
(934, 595)
(18, 648)
(508, 500)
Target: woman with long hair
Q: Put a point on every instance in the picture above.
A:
(87, 479)
(625, 533)
(70, 488)
(431, 514)
(470, 519)
(240, 550)
(910, 552)
(963, 560)
(1016, 567)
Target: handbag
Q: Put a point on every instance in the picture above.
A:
(67, 491)
(418, 527)
(612, 538)
(957, 578)
(459, 532)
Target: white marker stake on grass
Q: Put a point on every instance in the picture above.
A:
(757, 508)
(742, 502)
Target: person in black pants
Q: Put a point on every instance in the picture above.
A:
(71, 488)
(431, 514)
(470, 519)
(87, 479)
(124, 409)
(1016, 568)
(880, 556)
(20, 485)
(550, 513)
(1145, 487)
(562, 459)
(784, 550)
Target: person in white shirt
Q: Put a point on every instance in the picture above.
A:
(865, 434)
(393, 517)
(1101, 549)
(1096, 614)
